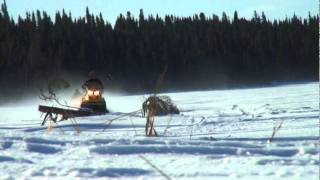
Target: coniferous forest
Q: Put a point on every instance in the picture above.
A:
(199, 52)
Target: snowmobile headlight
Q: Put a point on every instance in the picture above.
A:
(90, 93)
(96, 93)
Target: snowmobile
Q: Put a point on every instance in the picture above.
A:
(94, 101)
(92, 104)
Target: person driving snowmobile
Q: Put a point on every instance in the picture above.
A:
(93, 82)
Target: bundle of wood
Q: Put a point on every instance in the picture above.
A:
(159, 105)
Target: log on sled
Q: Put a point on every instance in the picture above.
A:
(53, 113)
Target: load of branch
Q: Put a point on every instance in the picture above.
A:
(54, 114)
(159, 105)
(53, 86)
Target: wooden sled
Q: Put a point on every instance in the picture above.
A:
(56, 114)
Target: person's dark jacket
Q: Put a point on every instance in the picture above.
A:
(93, 84)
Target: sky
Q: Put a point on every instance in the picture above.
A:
(110, 9)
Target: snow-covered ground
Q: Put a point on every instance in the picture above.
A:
(218, 135)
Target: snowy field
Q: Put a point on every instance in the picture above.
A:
(218, 135)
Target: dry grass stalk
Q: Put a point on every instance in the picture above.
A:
(134, 128)
(155, 167)
(160, 80)
(275, 130)
(191, 132)
(75, 125)
(149, 129)
(167, 127)
(109, 122)
(61, 130)
(50, 127)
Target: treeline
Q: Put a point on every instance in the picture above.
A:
(199, 51)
